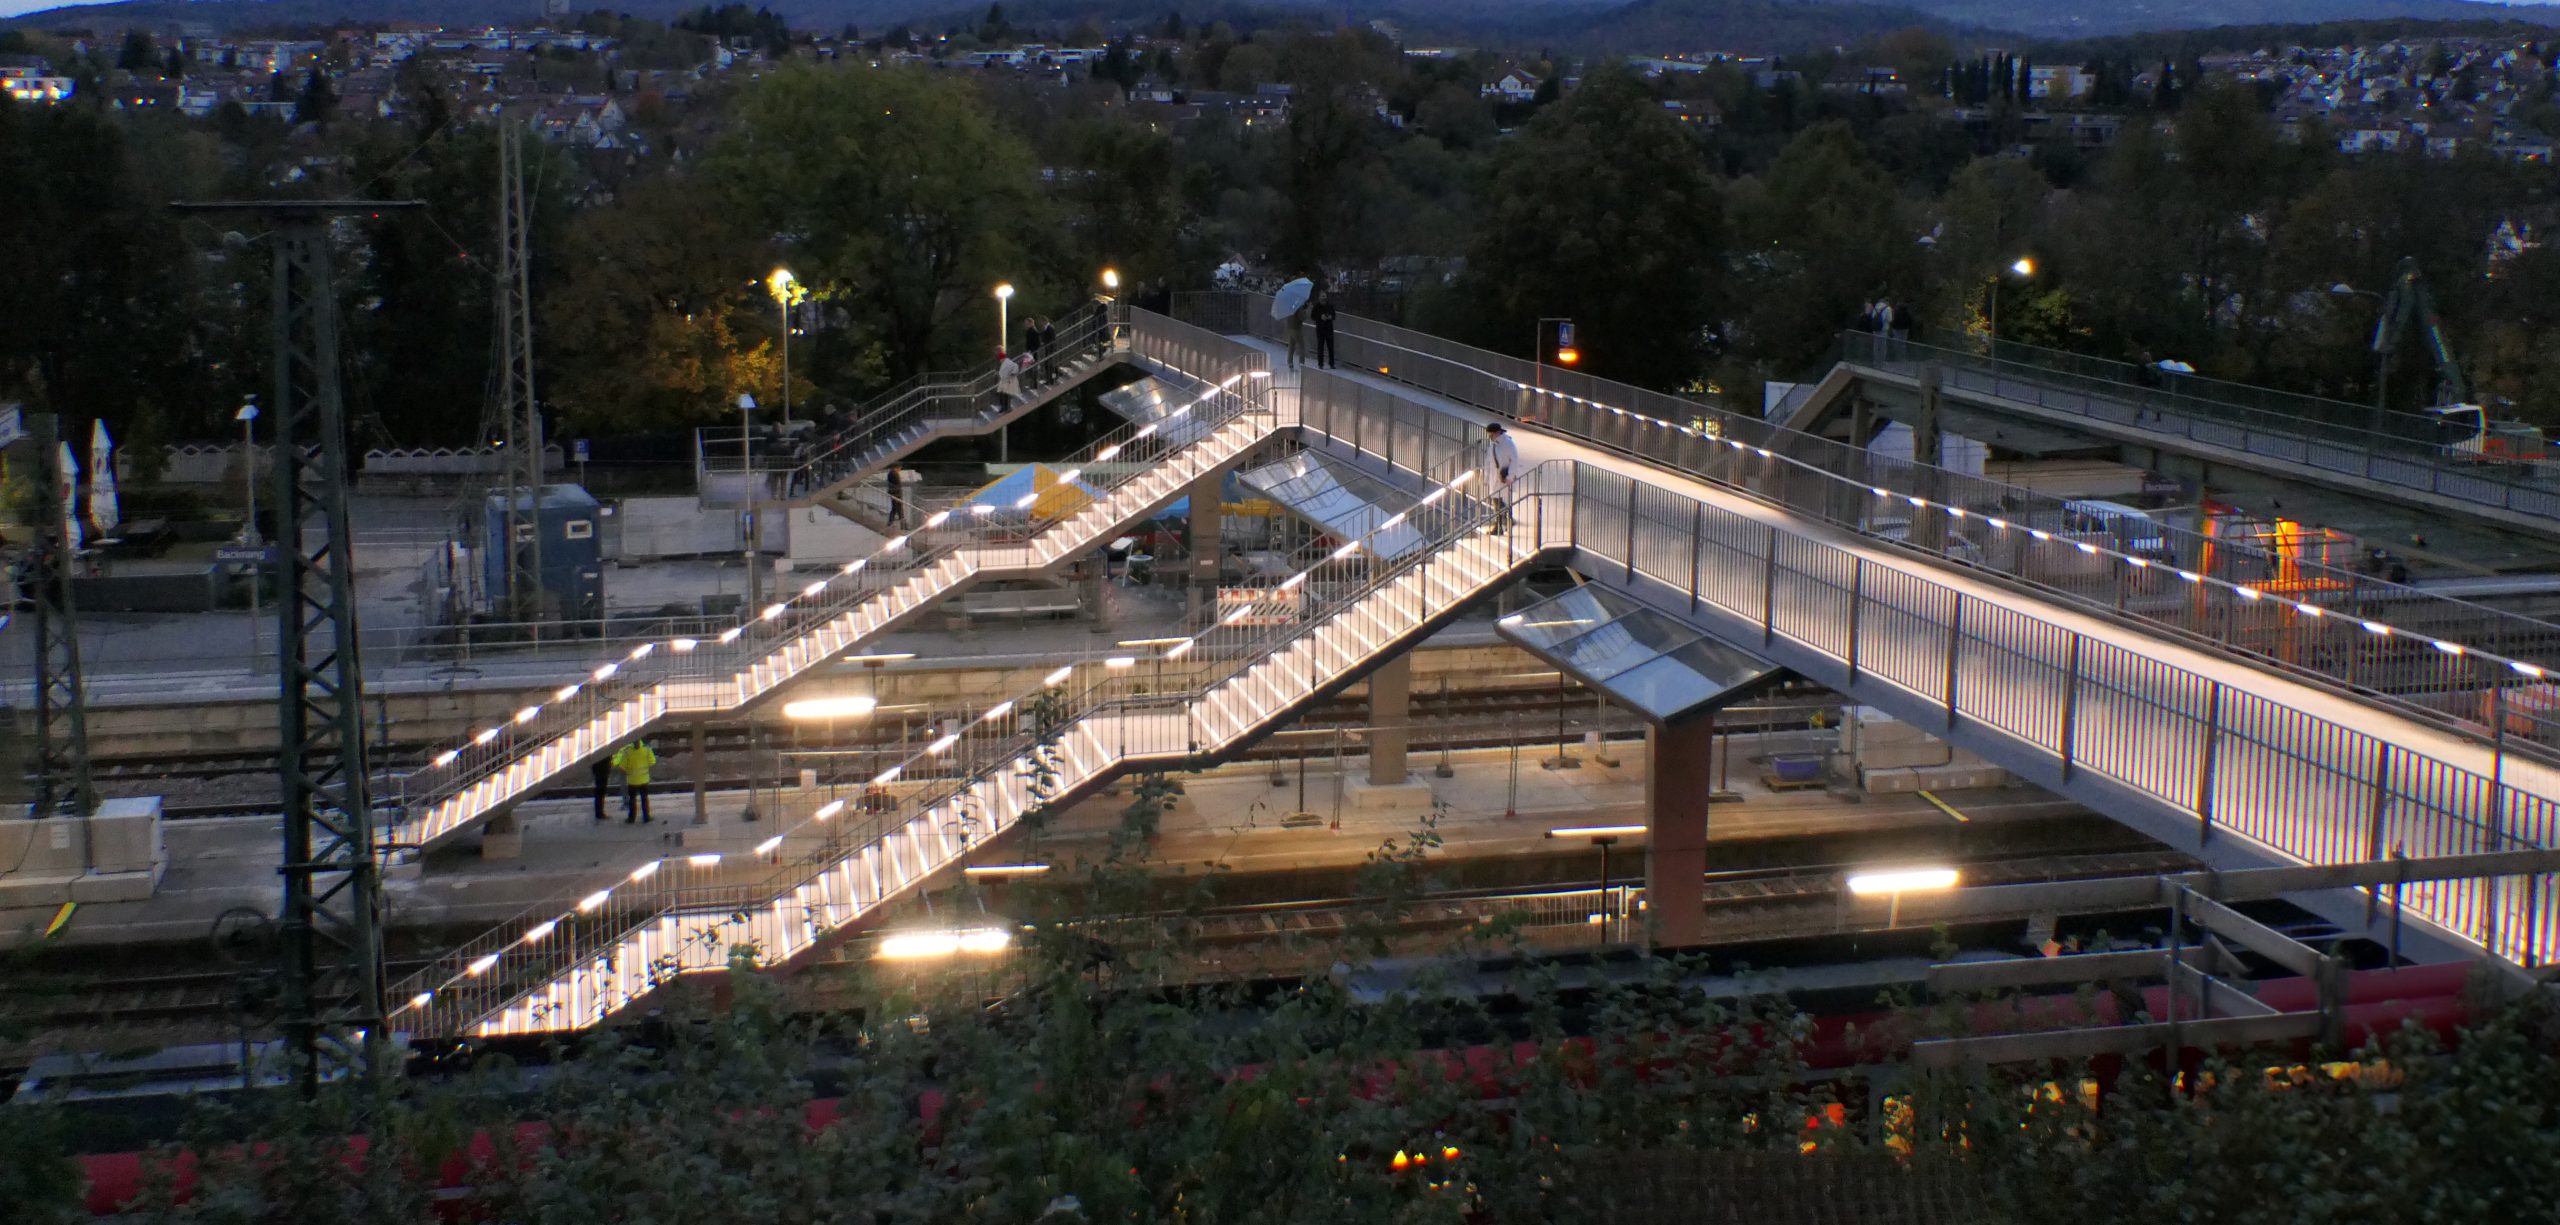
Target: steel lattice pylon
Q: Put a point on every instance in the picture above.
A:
(62, 779)
(520, 416)
(333, 1006)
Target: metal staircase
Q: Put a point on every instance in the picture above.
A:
(953, 548)
(575, 963)
(821, 470)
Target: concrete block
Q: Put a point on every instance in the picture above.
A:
(1409, 796)
(1891, 782)
(1903, 755)
(114, 887)
(496, 844)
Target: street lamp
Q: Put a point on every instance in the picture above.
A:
(1897, 882)
(1604, 837)
(747, 470)
(787, 292)
(2024, 268)
(1004, 298)
(248, 468)
(2381, 351)
(1111, 279)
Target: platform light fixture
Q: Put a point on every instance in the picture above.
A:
(850, 707)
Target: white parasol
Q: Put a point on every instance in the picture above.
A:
(68, 487)
(1291, 296)
(104, 513)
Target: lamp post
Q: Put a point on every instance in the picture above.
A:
(2025, 267)
(1603, 837)
(787, 292)
(747, 469)
(1897, 882)
(248, 468)
(2381, 346)
(1004, 298)
(248, 415)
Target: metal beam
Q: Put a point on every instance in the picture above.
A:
(2113, 1040)
(63, 782)
(2252, 935)
(2046, 971)
(333, 1008)
(2243, 885)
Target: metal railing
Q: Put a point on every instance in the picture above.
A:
(1120, 478)
(926, 406)
(2404, 449)
(2203, 745)
(2486, 682)
(576, 962)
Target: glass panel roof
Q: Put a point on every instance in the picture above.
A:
(1348, 502)
(1640, 658)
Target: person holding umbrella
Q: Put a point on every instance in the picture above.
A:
(1290, 303)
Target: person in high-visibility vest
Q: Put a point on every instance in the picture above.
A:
(634, 760)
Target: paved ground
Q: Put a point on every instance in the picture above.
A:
(1233, 815)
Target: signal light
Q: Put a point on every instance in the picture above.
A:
(1568, 357)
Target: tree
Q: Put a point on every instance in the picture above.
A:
(1826, 236)
(905, 201)
(1601, 210)
(137, 53)
(174, 67)
(319, 98)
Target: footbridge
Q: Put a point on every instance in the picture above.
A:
(2382, 475)
(2253, 720)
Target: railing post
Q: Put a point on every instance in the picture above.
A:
(1631, 534)
(2070, 704)
(2206, 756)
(1955, 638)
(1769, 592)
(2381, 800)
(1697, 540)
(1857, 592)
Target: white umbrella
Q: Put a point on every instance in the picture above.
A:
(69, 488)
(1291, 296)
(104, 513)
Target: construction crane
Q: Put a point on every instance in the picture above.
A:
(2461, 428)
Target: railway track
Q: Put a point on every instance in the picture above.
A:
(162, 1003)
(195, 785)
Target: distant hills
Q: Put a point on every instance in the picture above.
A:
(1589, 25)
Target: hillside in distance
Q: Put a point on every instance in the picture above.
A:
(2067, 19)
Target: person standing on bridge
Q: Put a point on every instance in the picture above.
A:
(603, 772)
(1324, 313)
(1501, 460)
(634, 760)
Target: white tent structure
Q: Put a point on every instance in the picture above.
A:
(104, 513)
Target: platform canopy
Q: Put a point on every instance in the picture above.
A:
(1051, 497)
(1645, 661)
(1342, 499)
(1173, 404)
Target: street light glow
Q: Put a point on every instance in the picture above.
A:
(1111, 278)
(1004, 292)
(2026, 266)
(916, 946)
(831, 708)
(1906, 880)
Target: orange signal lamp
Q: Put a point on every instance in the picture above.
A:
(1568, 357)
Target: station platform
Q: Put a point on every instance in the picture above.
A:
(1236, 816)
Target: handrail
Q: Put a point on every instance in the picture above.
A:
(2199, 590)
(995, 746)
(624, 696)
(2343, 439)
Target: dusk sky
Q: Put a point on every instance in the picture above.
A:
(13, 7)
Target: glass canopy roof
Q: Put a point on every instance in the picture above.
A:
(1642, 659)
(1348, 502)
